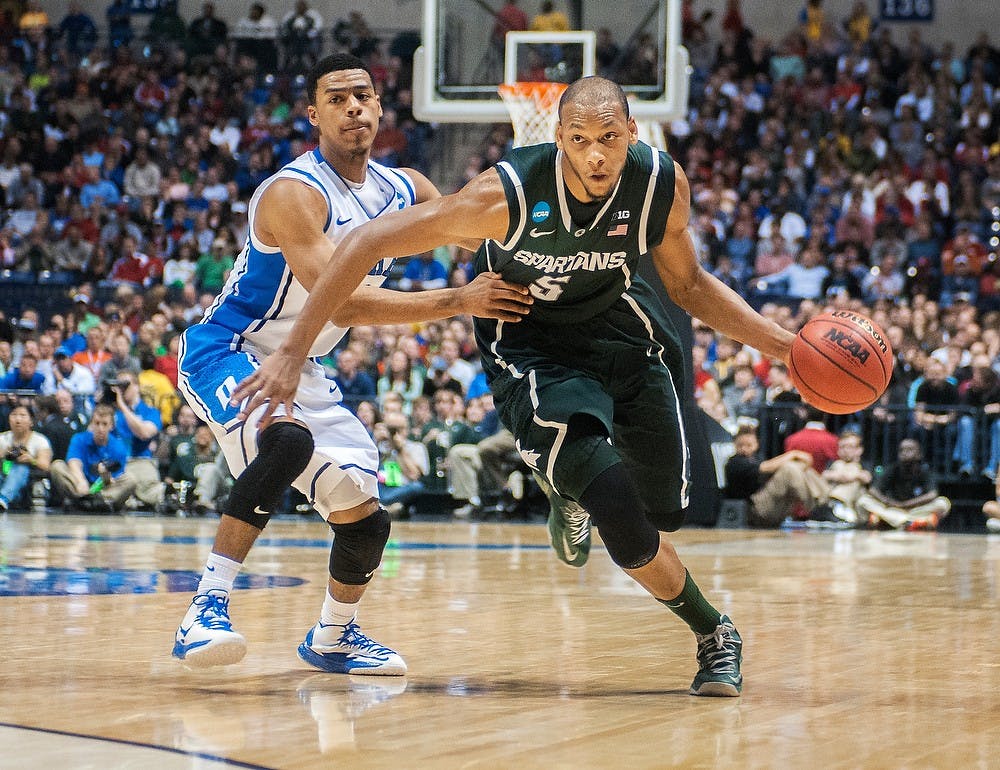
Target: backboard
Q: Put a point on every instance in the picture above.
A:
(464, 56)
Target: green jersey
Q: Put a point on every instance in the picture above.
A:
(597, 340)
(577, 270)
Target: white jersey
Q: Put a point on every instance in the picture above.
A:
(262, 299)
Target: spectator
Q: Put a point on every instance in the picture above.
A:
(134, 267)
(194, 460)
(509, 18)
(355, 384)
(444, 431)
(905, 495)
(981, 394)
(142, 176)
(403, 463)
(423, 272)
(137, 426)
(24, 376)
(94, 356)
(74, 378)
(816, 440)
(255, 36)
(61, 419)
(72, 252)
(24, 452)
(206, 33)
(884, 282)
(848, 478)
(156, 389)
(301, 35)
(934, 417)
(549, 19)
(775, 489)
(119, 16)
(448, 365)
(121, 360)
(93, 475)
(167, 28)
(78, 31)
(744, 395)
(213, 268)
(403, 376)
(390, 145)
(804, 278)
(98, 190)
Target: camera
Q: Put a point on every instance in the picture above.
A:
(14, 452)
(109, 393)
(110, 466)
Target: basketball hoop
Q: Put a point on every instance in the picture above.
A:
(534, 110)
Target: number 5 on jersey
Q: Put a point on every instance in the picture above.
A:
(549, 287)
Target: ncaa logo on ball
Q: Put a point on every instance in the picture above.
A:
(865, 324)
(847, 343)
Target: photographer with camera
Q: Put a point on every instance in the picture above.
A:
(137, 425)
(402, 463)
(93, 475)
(24, 452)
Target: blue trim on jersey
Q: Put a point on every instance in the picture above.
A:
(363, 470)
(354, 195)
(193, 396)
(315, 479)
(409, 185)
(277, 309)
(329, 203)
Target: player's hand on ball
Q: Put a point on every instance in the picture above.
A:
(489, 296)
(273, 384)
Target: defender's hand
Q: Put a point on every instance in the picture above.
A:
(274, 383)
(489, 296)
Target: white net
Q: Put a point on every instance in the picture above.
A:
(534, 112)
(533, 109)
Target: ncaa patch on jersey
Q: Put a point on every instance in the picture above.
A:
(541, 212)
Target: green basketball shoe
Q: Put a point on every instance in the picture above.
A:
(719, 656)
(569, 526)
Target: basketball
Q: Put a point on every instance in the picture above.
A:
(840, 362)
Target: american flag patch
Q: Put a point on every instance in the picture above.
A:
(618, 230)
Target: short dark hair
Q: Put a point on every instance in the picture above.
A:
(333, 63)
(593, 90)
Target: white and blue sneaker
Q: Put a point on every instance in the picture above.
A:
(346, 650)
(205, 636)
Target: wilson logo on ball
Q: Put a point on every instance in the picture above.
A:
(846, 342)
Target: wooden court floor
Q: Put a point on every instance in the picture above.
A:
(862, 650)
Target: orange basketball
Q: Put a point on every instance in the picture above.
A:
(840, 362)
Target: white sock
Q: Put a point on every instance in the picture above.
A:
(219, 575)
(338, 613)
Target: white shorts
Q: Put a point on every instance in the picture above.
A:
(343, 471)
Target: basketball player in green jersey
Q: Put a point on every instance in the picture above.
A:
(588, 380)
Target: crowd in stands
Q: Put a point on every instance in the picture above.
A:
(834, 167)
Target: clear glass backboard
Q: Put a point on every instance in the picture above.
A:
(467, 52)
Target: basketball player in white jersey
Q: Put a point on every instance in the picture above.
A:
(296, 219)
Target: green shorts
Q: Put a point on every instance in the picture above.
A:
(612, 374)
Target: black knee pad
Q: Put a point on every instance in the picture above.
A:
(618, 513)
(357, 548)
(283, 452)
(585, 454)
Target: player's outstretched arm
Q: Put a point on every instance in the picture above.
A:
(477, 211)
(486, 296)
(701, 294)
